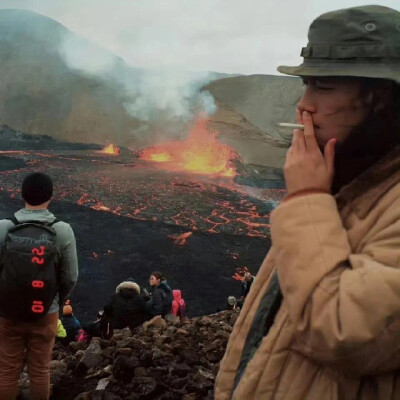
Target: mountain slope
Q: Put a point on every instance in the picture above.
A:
(40, 93)
(249, 110)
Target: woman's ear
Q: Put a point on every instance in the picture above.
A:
(383, 96)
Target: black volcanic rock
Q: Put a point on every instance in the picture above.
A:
(124, 368)
(8, 163)
(190, 372)
(11, 140)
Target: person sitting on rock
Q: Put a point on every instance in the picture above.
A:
(126, 308)
(161, 296)
(70, 322)
(178, 304)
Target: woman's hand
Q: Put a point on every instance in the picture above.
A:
(306, 168)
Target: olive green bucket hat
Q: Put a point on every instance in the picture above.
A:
(358, 41)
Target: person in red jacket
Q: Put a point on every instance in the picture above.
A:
(178, 304)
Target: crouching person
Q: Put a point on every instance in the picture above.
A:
(126, 308)
(161, 296)
(39, 267)
(71, 324)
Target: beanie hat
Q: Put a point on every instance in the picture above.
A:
(37, 188)
(67, 310)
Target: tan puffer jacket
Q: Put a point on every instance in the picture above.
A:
(337, 332)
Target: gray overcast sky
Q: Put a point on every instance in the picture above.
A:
(233, 36)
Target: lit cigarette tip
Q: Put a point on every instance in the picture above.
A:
(293, 126)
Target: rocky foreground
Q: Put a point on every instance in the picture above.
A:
(160, 360)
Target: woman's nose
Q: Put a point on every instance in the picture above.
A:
(307, 102)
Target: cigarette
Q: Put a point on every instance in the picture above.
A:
(293, 126)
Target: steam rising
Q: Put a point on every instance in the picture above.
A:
(81, 54)
(151, 94)
(170, 92)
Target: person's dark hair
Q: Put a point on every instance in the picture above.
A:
(158, 275)
(375, 137)
(37, 188)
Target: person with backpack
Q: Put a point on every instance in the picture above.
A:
(38, 269)
(127, 308)
(70, 323)
(161, 295)
(178, 304)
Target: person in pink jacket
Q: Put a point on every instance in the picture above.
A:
(178, 304)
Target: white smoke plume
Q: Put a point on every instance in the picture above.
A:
(171, 92)
(166, 93)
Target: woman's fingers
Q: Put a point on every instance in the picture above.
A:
(309, 135)
(299, 118)
(298, 143)
(329, 156)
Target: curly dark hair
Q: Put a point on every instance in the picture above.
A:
(375, 137)
(158, 275)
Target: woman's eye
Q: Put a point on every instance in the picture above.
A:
(324, 87)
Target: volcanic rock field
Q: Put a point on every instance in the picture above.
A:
(131, 217)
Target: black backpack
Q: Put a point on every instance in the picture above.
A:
(28, 270)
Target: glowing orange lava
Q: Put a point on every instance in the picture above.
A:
(200, 153)
(180, 240)
(152, 155)
(111, 149)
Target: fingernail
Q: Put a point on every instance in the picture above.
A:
(306, 114)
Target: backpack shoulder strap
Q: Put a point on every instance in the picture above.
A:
(16, 222)
(13, 219)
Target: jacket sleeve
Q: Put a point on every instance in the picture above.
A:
(61, 332)
(243, 289)
(68, 262)
(345, 305)
(156, 305)
(77, 323)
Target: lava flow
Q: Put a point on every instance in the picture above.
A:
(135, 189)
(111, 149)
(200, 153)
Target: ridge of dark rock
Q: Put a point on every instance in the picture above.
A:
(160, 360)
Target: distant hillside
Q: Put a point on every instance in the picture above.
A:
(40, 94)
(250, 108)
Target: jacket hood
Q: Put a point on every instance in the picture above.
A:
(177, 294)
(128, 285)
(37, 215)
(164, 285)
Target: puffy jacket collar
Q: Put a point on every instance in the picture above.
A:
(366, 190)
(128, 285)
(164, 285)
